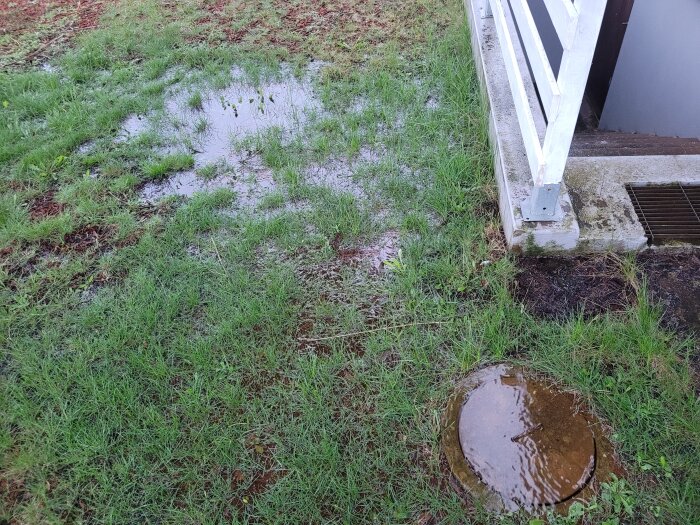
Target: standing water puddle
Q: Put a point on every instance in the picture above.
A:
(239, 111)
(210, 124)
(518, 442)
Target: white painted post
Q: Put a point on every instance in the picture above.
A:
(577, 25)
(486, 11)
(573, 75)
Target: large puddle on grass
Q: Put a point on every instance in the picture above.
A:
(209, 126)
(248, 178)
(521, 442)
(218, 119)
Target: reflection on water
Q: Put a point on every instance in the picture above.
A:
(210, 123)
(241, 110)
(249, 179)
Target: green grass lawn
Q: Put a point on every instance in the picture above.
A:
(200, 361)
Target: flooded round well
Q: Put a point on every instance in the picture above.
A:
(514, 441)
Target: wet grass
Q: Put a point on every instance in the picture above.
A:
(185, 363)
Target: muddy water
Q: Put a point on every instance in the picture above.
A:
(514, 441)
(525, 440)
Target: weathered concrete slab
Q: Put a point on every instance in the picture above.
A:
(604, 210)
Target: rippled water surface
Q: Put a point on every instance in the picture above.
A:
(526, 440)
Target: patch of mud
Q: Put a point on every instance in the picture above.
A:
(558, 287)
(45, 206)
(516, 441)
(87, 238)
(673, 281)
(375, 255)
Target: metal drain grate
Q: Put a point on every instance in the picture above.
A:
(669, 212)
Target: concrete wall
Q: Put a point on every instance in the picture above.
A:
(656, 85)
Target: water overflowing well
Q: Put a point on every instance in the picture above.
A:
(516, 441)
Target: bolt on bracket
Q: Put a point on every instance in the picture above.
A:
(542, 205)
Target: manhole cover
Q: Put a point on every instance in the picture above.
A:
(519, 441)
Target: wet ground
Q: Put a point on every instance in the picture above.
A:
(216, 120)
(351, 268)
(673, 281)
(249, 178)
(516, 441)
(212, 126)
(557, 287)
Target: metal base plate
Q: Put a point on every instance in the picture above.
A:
(529, 215)
(542, 205)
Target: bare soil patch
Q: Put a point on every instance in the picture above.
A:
(96, 237)
(557, 287)
(248, 485)
(32, 30)
(673, 281)
(324, 28)
(45, 206)
(12, 491)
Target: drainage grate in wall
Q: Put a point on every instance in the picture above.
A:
(669, 212)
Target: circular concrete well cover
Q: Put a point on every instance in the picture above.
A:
(523, 440)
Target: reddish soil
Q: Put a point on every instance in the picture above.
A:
(247, 486)
(312, 26)
(45, 206)
(12, 492)
(56, 22)
(89, 237)
(557, 287)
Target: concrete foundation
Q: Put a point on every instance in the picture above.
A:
(597, 212)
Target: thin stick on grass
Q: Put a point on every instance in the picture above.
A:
(218, 256)
(363, 332)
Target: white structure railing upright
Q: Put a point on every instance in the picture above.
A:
(577, 24)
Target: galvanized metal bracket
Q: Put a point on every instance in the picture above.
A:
(542, 205)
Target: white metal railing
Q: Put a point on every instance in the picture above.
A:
(577, 24)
